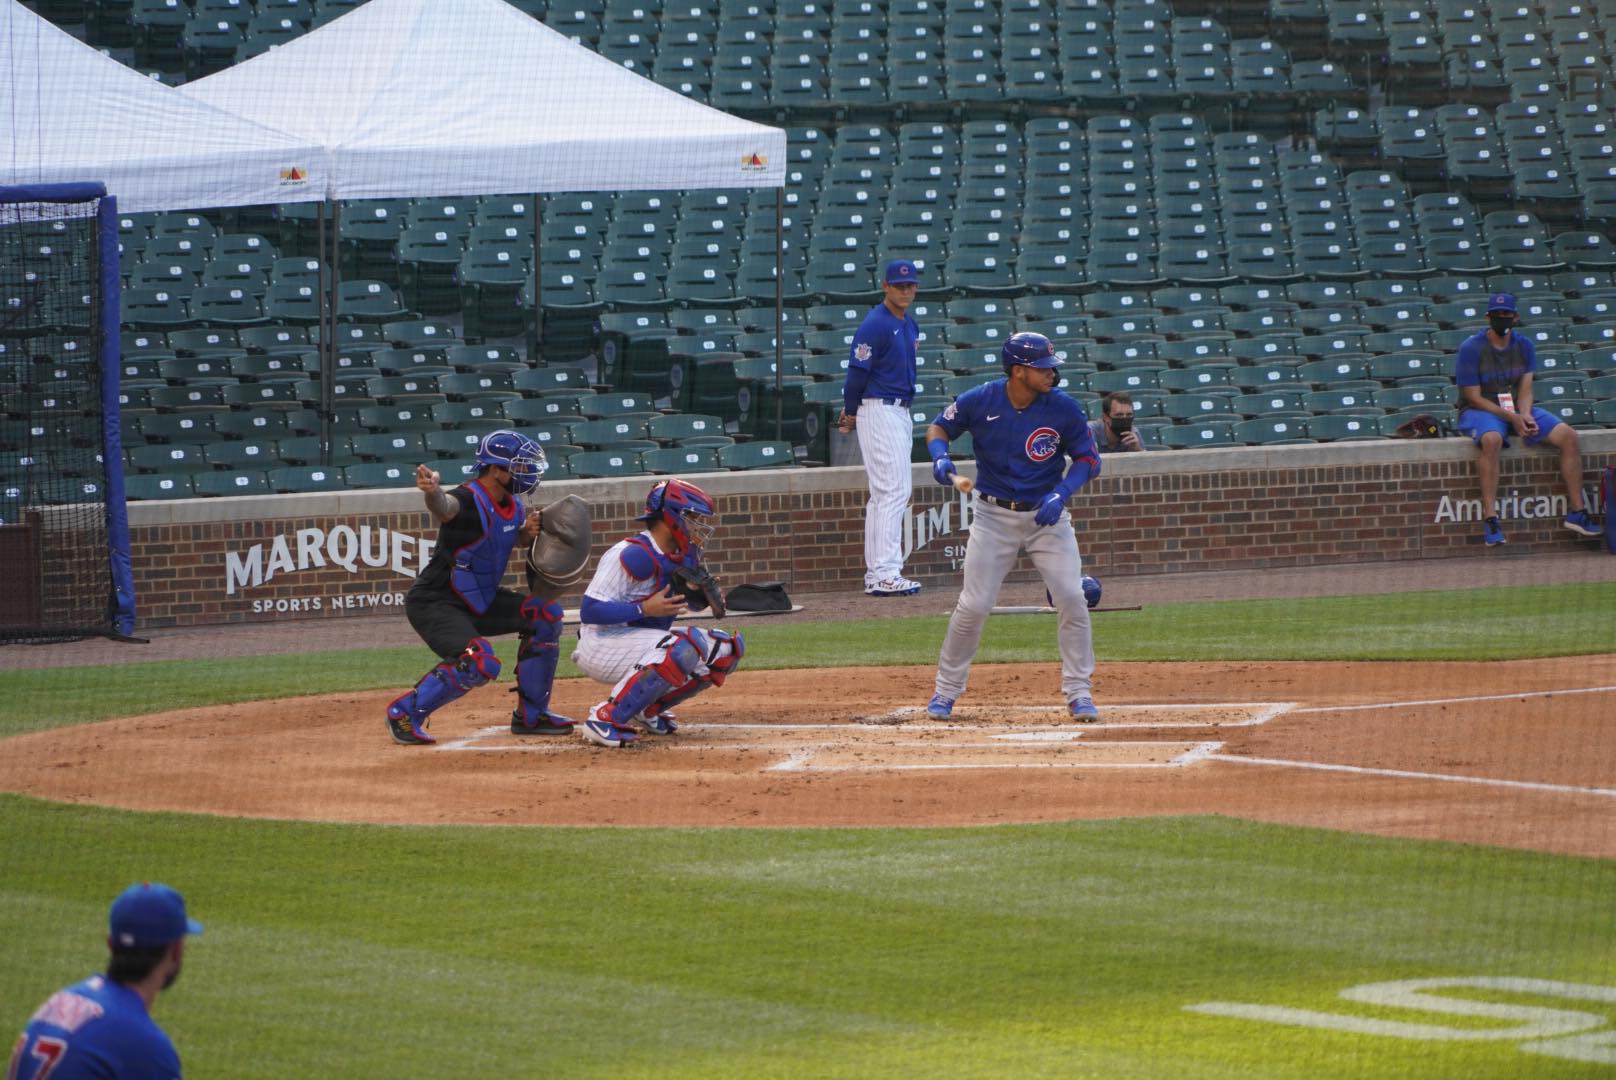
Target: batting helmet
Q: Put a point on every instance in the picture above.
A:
(1029, 350)
(518, 453)
(688, 511)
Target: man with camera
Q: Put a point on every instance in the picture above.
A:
(1114, 431)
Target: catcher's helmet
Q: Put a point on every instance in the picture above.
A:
(1029, 350)
(688, 511)
(518, 453)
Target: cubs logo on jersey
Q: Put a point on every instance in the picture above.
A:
(1043, 444)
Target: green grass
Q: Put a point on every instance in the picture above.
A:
(1057, 950)
(1497, 624)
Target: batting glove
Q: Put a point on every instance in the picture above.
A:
(1049, 511)
(942, 469)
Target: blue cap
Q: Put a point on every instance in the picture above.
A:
(1500, 301)
(902, 272)
(149, 916)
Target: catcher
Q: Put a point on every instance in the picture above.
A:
(627, 639)
(457, 602)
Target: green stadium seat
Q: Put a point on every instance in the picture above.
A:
(1338, 428)
(1199, 435)
(390, 446)
(300, 479)
(1272, 431)
(1341, 401)
(167, 458)
(1274, 402)
(235, 482)
(379, 474)
(762, 454)
(592, 464)
(233, 455)
(150, 486)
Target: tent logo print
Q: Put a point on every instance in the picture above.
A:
(754, 162)
(294, 175)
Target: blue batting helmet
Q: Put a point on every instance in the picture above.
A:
(1029, 350)
(688, 511)
(518, 453)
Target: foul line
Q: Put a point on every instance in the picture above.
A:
(802, 761)
(1457, 700)
(1264, 711)
(1405, 774)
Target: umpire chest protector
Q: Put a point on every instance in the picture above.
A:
(480, 565)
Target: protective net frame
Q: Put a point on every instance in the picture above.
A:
(64, 533)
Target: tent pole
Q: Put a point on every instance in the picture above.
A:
(327, 327)
(779, 310)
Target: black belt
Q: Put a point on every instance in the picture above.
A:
(892, 401)
(1010, 504)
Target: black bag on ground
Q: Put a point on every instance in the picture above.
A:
(763, 596)
(1607, 506)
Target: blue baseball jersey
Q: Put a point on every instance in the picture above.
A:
(1020, 454)
(884, 348)
(94, 1029)
(1493, 370)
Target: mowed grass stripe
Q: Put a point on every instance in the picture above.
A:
(1475, 624)
(1050, 950)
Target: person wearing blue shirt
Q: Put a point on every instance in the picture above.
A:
(1034, 450)
(875, 404)
(101, 1027)
(1494, 375)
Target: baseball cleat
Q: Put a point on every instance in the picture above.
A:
(1577, 521)
(404, 728)
(1492, 532)
(1083, 710)
(898, 586)
(660, 724)
(550, 724)
(940, 707)
(606, 733)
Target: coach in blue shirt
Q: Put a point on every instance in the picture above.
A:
(101, 1027)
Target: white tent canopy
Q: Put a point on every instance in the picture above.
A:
(458, 97)
(69, 114)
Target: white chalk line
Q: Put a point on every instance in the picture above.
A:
(1263, 711)
(802, 761)
(1408, 774)
(1519, 695)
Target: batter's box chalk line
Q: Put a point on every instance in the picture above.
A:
(1222, 714)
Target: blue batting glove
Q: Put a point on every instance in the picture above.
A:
(942, 469)
(1049, 511)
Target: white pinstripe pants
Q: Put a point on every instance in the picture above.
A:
(886, 440)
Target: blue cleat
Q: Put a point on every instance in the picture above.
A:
(1083, 710)
(660, 724)
(1577, 521)
(600, 729)
(404, 727)
(940, 707)
(1492, 532)
(550, 724)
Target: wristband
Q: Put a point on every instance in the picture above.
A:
(937, 448)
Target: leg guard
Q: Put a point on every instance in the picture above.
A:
(724, 652)
(662, 670)
(535, 671)
(407, 715)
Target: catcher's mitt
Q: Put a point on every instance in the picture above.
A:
(699, 588)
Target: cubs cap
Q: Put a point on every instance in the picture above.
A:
(1500, 301)
(149, 916)
(902, 272)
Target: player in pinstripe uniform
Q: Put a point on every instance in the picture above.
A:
(875, 403)
(1024, 432)
(627, 639)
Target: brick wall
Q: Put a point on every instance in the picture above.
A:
(1160, 512)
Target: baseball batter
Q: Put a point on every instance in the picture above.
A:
(875, 404)
(1024, 431)
(456, 602)
(627, 639)
(102, 1025)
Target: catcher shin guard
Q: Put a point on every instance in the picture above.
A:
(666, 668)
(535, 671)
(724, 654)
(407, 715)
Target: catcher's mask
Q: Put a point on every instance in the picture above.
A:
(689, 512)
(518, 453)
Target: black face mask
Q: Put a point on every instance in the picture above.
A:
(1501, 324)
(1122, 424)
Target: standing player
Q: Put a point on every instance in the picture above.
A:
(1494, 376)
(875, 403)
(1023, 430)
(627, 640)
(102, 1026)
(457, 603)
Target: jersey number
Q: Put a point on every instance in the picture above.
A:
(47, 1050)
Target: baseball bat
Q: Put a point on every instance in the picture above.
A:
(963, 483)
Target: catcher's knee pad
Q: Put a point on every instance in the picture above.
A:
(447, 681)
(541, 620)
(477, 665)
(667, 667)
(724, 654)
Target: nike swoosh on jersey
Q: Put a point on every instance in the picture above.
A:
(995, 417)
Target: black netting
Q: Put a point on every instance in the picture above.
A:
(56, 580)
